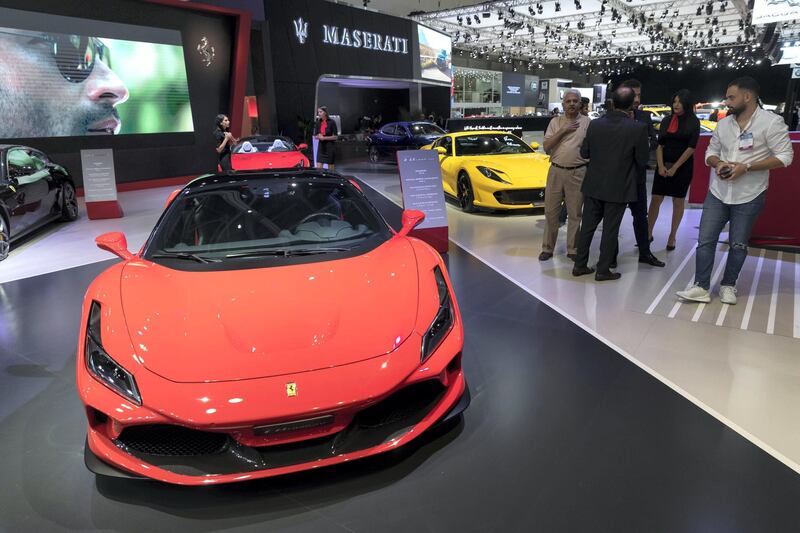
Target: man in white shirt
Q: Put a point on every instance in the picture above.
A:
(746, 145)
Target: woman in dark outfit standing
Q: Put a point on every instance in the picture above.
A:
(677, 141)
(225, 141)
(326, 132)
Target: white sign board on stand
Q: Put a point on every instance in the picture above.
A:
(100, 184)
(421, 183)
(99, 178)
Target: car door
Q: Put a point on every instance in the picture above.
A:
(42, 164)
(448, 164)
(404, 138)
(32, 188)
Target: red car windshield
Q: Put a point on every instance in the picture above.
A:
(266, 217)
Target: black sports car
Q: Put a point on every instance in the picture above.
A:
(33, 192)
(401, 136)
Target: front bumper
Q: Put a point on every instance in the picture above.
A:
(174, 445)
(491, 194)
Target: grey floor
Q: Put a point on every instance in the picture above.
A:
(563, 434)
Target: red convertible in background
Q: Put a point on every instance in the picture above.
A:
(263, 152)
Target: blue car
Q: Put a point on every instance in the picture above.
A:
(395, 136)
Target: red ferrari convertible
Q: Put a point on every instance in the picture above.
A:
(267, 152)
(272, 322)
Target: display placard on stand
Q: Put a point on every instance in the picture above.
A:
(421, 184)
(100, 184)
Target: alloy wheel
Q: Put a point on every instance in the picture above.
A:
(5, 239)
(70, 204)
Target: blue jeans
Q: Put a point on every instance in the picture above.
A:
(715, 215)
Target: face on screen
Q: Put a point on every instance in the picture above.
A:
(57, 85)
(69, 83)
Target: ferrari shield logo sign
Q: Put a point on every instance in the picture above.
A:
(291, 389)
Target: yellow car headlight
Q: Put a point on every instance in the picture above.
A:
(492, 174)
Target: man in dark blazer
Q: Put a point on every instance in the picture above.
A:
(617, 149)
(639, 207)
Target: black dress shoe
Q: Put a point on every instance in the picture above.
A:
(670, 248)
(581, 271)
(572, 257)
(651, 260)
(607, 276)
(544, 256)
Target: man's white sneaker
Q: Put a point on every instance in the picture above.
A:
(727, 294)
(695, 294)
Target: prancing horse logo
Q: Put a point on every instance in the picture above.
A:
(206, 51)
(301, 30)
(291, 389)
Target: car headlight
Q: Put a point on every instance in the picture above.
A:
(492, 174)
(442, 322)
(102, 366)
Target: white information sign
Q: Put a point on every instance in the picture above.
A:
(99, 179)
(767, 11)
(795, 73)
(421, 181)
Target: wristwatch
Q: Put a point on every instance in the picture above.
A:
(747, 166)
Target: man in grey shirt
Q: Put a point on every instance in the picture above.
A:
(746, 145)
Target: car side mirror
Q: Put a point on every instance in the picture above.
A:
(116, 243)
(441, 150)
(535, 145)
(411, 219)
(302, 146)
(174, 194)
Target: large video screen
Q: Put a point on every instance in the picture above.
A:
(435, 54)
(65, 77)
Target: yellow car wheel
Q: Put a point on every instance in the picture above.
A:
(466, 197)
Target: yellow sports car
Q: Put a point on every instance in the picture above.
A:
(491, 170)
(707, 126)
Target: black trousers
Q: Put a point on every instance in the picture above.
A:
(640, 225)
(594, 211)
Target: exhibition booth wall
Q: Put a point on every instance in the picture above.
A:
(167, 119)
(312, 39)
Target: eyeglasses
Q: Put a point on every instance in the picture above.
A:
(75, 55)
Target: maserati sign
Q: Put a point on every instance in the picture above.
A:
(340, 36)
(364, 39)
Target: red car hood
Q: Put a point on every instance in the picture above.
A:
(261, 160)
(244, 324)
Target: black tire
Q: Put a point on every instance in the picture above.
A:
(69, 202)
(5, 238)
(466, 198)
(374, 155)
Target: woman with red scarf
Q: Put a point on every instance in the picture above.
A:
(677, 141)
(326, 132)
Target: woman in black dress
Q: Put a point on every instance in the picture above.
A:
(677, 141)
(225, 141)
(326, 132)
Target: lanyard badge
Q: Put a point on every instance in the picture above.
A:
(745, 142)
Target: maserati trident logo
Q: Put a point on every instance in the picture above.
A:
(301, 30)
(206, 50)
(291, 389)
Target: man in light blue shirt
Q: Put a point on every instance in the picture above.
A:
(746, 145)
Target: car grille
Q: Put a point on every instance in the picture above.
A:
(192, 452)
(520, 197)
(173, 441)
